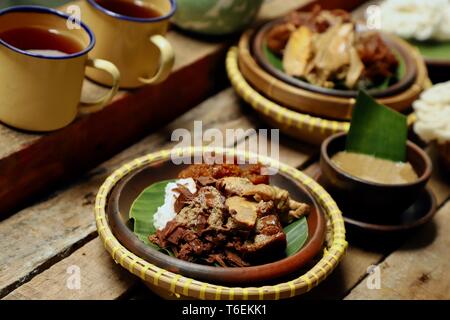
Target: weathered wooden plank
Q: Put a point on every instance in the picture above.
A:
(99, 278)
(44, 231)
(354, 268)
(118, 161)
(30, 165)
(350, 272)
(40, 235)
(419, 269)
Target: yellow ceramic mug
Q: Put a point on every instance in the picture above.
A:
(137, 46)
(40, 89)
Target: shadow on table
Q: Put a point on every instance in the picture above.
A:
(386, 243)
(329, 289)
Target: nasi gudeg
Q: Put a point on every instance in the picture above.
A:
(225, 216)
(325, 48)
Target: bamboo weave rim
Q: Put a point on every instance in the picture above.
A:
(183, 286)
(279, 114)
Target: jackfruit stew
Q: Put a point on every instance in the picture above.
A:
(234, 218)
(325, 48)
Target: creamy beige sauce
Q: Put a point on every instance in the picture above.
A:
(373, 169)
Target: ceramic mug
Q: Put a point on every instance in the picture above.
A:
(137, 46)
(41, 91)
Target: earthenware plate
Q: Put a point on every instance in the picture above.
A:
(131, 186)
(318, 104)
(273, 64)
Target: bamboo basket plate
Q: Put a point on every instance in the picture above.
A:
(298, 125)
(318, 104)
(172, 285)
(128, 189)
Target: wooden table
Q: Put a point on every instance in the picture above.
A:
(45, 238)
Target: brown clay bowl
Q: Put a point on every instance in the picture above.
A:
(418, 214)
(129, 188)
(371, 201)
(406, 81)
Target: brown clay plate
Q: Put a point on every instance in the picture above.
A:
(263, 57)
(131, 186)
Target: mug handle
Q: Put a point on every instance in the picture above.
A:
(167, 59)
(97, 105)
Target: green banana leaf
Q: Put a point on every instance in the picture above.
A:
(296, 235)
(433, 50)
(377, 130)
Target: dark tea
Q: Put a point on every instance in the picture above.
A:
(40, 40)
(135, 9)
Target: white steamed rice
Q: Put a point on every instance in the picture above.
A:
(166, 212)
(417, 19)
(433, 113)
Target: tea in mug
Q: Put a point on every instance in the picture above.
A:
(40, 40)
(135, 9)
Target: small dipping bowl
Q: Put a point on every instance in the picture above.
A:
(366, 200)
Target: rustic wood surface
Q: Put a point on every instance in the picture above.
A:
(418, 269)
(55, 228)
(61, 233)
(32, 163)
(40, 243)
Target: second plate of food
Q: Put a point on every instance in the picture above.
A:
(293, 65)
(337, 60)
(381, 75)
(225, 224)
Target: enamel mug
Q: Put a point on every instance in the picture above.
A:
(136, 45)
(41, 91)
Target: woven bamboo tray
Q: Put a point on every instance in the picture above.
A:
(171, 285)
(318, 104)
(295, 124)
